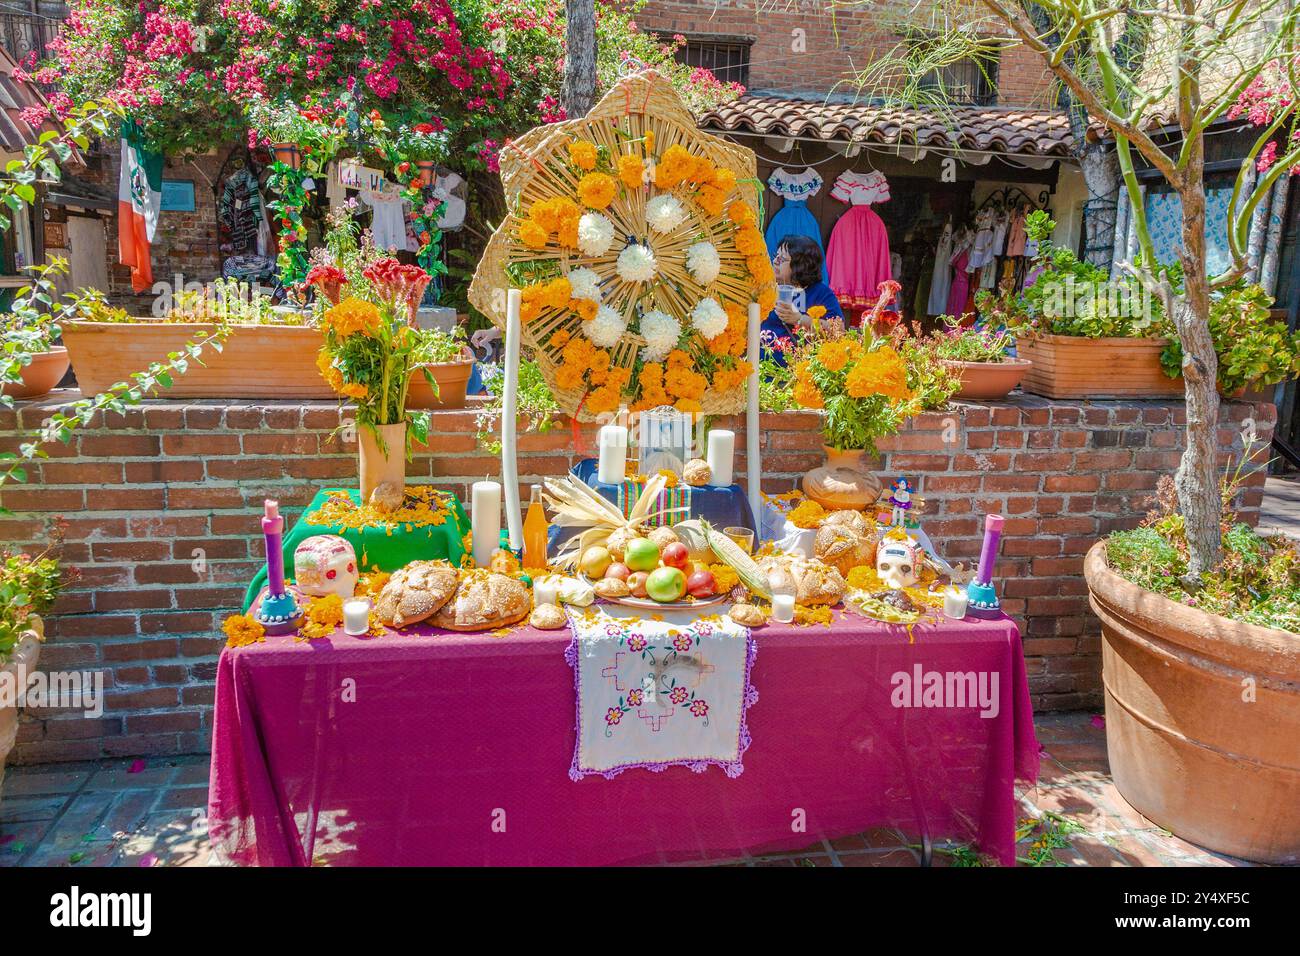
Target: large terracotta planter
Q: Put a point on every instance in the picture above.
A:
(452, 379)
(428, 171)
(844, 482)
(1066, 366)
(381, 464)
(287, 153)
(42, 375)
(988, 381)
(1202, 719)
(20, 661)
(257, 361)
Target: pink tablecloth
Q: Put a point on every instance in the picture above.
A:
(435, 748)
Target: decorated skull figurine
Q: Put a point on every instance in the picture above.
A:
(898, 562)
(325, 564)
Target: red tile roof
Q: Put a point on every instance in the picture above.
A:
(1031, 132)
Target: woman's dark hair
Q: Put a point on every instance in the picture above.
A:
(805, 260)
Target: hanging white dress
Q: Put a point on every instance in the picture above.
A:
(941, 278)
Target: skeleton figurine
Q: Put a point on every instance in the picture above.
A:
(325, 564)
(898, 562)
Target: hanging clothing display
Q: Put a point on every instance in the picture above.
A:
(858, 258)
(240, 211)
(388, 227)
(981, 253)
(861, 189)
(793, 218)
(447, 188)
(1016, 234)
(941, 277)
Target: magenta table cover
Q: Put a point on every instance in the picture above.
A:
(434, 748)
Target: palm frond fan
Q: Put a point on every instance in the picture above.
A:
(634, 239)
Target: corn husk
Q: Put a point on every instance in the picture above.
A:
(691, 534)
(575, 505)
(734, 555)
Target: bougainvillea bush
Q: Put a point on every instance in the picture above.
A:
(482, 69)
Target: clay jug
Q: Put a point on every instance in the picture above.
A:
(381, 463)
(843, 482)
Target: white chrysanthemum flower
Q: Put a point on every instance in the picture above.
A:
(709, 318)
(584, 284)
(637, 263)
(661, 332)
(703, 263)
(664, 213)
(595, 234)
(607, 328)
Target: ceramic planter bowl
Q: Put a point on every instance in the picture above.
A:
(45, 372)
(988, 381)
(452, 379)
(1202, 719)
(23, 657)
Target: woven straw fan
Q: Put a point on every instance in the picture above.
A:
(536, 167)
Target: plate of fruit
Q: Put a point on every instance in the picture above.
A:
(662, 577)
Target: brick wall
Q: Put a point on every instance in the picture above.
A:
(142, 492)
(827, 51)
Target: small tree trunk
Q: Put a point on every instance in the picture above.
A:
(578, 92)
(1197, 480)
(1101, 174)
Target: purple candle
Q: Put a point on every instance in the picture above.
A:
(273, 528)
(989, 552)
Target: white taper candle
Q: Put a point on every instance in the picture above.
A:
(509, 412)
(751, 418)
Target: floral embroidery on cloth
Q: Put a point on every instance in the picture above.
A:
(797, 184)
(658, 690)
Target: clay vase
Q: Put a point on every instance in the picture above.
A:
(23, 656)
(287, 153)
(427, 170)
(843, 482)
(45, 372)
(381, 463)
(1202, 719)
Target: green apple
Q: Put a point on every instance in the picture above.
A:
(641, 554)
(666, 585)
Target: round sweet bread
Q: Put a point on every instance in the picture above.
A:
(843, 547)
(611, 588)
(415, 593)
(483, 601)
(697, 472)
(548, 617)
(852, 519)
(748, 615)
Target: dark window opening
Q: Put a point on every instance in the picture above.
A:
(727, 58)
(970, 81)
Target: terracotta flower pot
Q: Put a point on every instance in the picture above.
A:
(844, 482)
(988, 381)
(287, 153)
(381, 464)
(1068, 366)
(22, 659)
(427, 170)
(45, 372)
(452, 379)
(1202, 719)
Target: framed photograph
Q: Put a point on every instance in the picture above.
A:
(178, 195)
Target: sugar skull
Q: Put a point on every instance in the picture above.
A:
(325, 564)
(898, 562)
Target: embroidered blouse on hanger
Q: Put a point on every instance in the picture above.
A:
(795, 184)
(861, 189)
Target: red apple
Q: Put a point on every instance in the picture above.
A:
(701, 584)
(618, 570)
(636, 583)
(675, 555)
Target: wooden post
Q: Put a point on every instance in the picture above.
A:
(753, 469)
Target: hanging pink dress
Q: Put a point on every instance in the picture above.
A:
(960, 284)
(858, 258)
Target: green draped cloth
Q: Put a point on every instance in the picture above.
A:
(375, 545)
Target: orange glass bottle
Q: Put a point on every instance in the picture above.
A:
(536, 531)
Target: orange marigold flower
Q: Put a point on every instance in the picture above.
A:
(560, 338)
(354, 390)
(353, 315)
(532, 235)
(631, 170)
(586, 308)
(711, 200)
(750, 242)
(833, 355)
(596, 190)
(816, 312)
(583, 154)
(688, 405)
(741, 213)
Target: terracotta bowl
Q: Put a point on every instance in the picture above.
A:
(45, 372)
(452, 379)
(988, 381)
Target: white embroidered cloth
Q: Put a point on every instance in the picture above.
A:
(656, 690)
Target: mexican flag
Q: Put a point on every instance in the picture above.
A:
(139, 201)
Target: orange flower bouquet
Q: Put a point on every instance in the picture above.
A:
(858, 381)
(370, 349)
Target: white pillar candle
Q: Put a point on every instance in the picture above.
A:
(613, 454)
(783, 608)
(485, 520)
(955, 600)
(722, 455)
(356, 616)
(546, 590)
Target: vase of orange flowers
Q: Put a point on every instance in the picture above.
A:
(371, 347)
(860, 385)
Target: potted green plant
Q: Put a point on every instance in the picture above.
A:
(28, 587)
(424, 145)
(441, 368)
(977, 356)
(1086, 333)
(1254, 350)
(30, 363)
